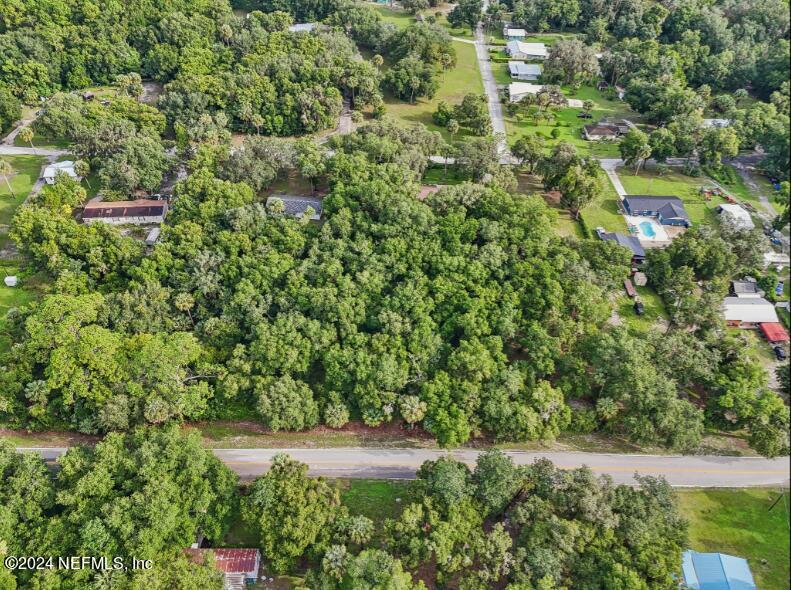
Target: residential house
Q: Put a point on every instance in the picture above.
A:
(302, 28)
(748, 312)
(239, 566)
(521, 50)
(66, 167)
(737, 215)
(599, 131)
(607, 129)
(715, 571)
(513, 34)
(138, 212)
(746, 288)
(707, 123)
(667, 210)
(296, 206)
(630, 242)
(774, 333)
(521, 71)
(517, 91)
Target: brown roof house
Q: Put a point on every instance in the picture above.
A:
(138, 212)
(239, 566)
(607, 129)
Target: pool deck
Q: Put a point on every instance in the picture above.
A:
(661, 237)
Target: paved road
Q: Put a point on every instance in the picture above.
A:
(10, 150)
(695, 471)
(490, 88)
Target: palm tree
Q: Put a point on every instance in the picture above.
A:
(377, 60)
(26, 135)
(453, 128)
(6, 170)
(445, 59)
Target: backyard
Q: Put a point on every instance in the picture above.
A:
(738, 522)
(567, 123)
(672, 183)
(604, 211)
(27, 170)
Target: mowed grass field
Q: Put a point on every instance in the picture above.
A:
(465, 78)
(27, 169)
(738, 522)
(673, 183)
(566, 121)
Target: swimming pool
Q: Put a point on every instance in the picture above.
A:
(647, 228)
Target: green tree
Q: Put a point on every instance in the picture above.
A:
(635, 149)
(290, 512)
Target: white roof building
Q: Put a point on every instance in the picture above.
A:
(66, 167)
(11, 281)
(748, 310)
(302, 28)
(518, 90)
(716, 123)
(522, 50)
(509, 32)
(738, 216)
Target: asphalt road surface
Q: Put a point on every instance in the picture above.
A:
(680, 471)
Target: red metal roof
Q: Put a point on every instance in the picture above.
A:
(774, 332)
(230, 561)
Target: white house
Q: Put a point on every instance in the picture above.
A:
(748, 312)
(518, 90)
(521, 71)
(737, 215)
(138, 212)
(521, 50)
(716, 123)
(302, 28)
(51, 172)
(513, 34)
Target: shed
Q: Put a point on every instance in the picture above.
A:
(774, 332)
(716, 571)
(745, 288)
(11, 281)
(136, 212)
(302, 28)
(640, 279)
(737, 215)
(513, 34)
(153, 236)
(66, 167)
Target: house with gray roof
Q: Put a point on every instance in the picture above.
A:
(667, 210)
(630, 242)
(296, 206)
(521, 71)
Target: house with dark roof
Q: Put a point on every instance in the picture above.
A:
(746, 288)
(630, 242)
(296, 206)
(667, 210)
(138, 212)
(599, 131)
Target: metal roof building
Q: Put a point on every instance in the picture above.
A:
(716, 571)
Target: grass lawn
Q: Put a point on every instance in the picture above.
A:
(462, 33)
(376, 499)
(737, 522)
(501, 74)
(570, 126)
(437, 175)
(604, 211)
(463, 79)
(654, 310)
(399, 18)
(27, 171)
(648, 182)
(28, 289)
(42, 141)
(567, 226)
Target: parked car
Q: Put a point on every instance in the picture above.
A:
(584, 116)
(780, 353)
(779, 288)
(639, 308)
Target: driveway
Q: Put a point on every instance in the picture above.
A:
(609, 165)
(679, 471)
(11, 150)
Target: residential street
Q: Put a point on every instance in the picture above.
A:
(490, 88)
(680, 471)
(10, 150)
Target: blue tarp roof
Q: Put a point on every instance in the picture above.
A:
(716, 571)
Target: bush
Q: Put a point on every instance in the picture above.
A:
(583, 421)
